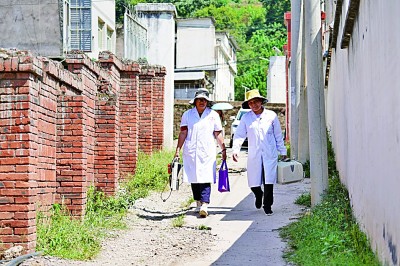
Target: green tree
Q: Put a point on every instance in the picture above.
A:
(237, 19)
(253, 63)
(275, 10)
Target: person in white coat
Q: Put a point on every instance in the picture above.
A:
(199, 128)
(263, 131)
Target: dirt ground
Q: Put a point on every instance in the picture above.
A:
(235, 232)
(151, 238)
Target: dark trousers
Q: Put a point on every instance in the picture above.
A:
(268, 194)
(268, 191)
(201, 192)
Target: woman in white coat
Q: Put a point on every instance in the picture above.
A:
(200, 126)
(265, 143)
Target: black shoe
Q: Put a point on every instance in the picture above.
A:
(259, 201)
(268, 211)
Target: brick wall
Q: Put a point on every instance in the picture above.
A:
(66, 127)
(129, 116)
(146, 79)
(158, 108)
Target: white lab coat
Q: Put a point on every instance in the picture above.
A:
(199, 150)
(265, 141)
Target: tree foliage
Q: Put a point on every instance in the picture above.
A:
(253, 62)
(275, 10)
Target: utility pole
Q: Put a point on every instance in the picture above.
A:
(316, 102)
(294, 72)
(303, 148)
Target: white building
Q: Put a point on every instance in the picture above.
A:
(52, 28)
(204, 58)
(159, 20)
(276, 79)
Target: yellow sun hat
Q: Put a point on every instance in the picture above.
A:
(252, 94)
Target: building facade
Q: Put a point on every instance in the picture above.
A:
(204, 59)
(276, 80)
(53, 28)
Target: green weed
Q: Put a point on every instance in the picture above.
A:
(188, 203)
(203, 227)
(62, 236)
(58, 234)
(329, 234)
(304, 199)
(178, 221)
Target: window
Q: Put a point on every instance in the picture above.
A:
(81, 25)
(109, 39)
(100, 35)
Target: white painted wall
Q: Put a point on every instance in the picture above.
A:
(159, 19)
(226, 68)
(363, 117)
(195, 43)
(105, 11)
(276, 80)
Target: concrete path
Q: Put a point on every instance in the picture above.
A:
(246, 236)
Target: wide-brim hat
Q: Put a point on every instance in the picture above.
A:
(250, 95)
(201, 93)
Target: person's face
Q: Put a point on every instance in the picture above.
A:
(200, 104)
(256, 105)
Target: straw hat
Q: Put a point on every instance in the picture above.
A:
(252, 94)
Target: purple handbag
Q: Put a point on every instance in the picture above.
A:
(223, 180)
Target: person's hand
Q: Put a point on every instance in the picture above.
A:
(224, 154)
(235, 157)
(177, 154)
(284, 158)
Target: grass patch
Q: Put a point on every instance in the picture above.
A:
(188, 203)
(62, 236)
(178, 221)
(329, 234)
(58, 234)
(203, 227)
(304, 199)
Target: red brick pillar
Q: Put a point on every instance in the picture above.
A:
(88, 73)
(47, 132)
(129, 119)
(107, 136)
(19, 151)
(71, 153)
(158, 107)
(146, 109)
(108, 124)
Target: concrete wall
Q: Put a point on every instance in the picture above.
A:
(225, 74)
(31, 25)
(363, 113)
(195, 44)
(276, 80)
(159, 19)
